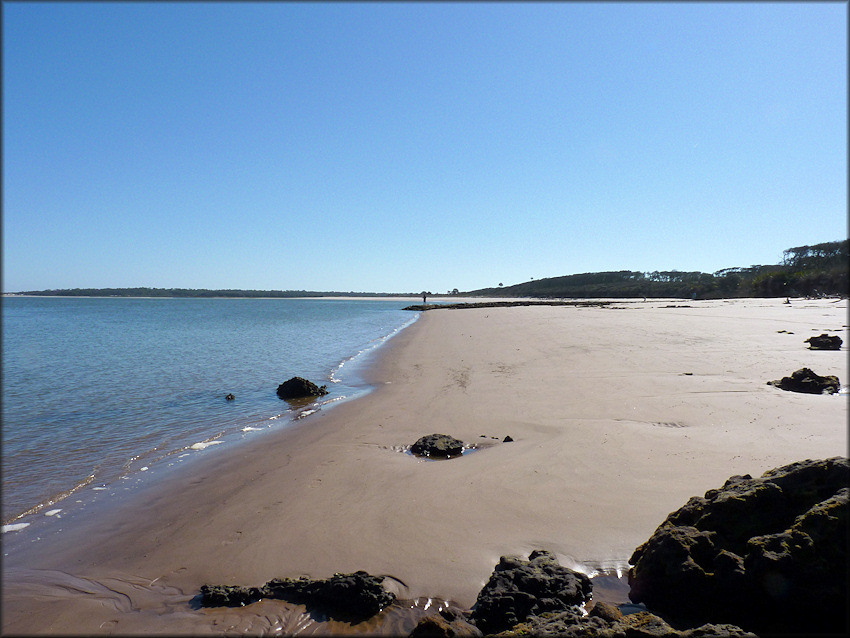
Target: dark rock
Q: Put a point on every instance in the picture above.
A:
(606, 611)
(507, 439)
(767, 554)
(804, 380)
(567, 624)
(437, 445)
(297, 388)
(230, 397)
(717, 631)
(229, 595)
(571, 624)
(348, 597)
(446, 624)
(519, 589)
(646, 624)
(824, 342)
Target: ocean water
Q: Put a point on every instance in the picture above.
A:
(99, 390)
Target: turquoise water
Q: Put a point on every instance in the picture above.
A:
(99, 389)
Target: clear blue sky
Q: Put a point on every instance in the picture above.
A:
(392, 147)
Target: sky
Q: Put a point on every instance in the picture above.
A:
(400, 147)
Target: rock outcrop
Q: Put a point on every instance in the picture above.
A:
(298, 388)
(824, 342)
(519, 589)
(347, 597)
(804, 380)
(768, 554)
(437, 445)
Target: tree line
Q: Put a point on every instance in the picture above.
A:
(805, 271)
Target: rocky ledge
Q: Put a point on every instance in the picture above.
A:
(505, 304)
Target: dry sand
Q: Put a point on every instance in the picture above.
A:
(618, 415)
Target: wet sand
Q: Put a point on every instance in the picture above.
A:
(618, 415)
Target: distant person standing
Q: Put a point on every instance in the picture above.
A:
(424, 295)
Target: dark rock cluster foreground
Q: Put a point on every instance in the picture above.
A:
(768, 553)
(758, 556)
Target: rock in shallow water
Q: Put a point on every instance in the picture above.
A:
(298, 388)
(768, 554)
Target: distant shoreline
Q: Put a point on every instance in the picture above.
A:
(203, 293)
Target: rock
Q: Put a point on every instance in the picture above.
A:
(606, 611)
(507, 439)
(346, 597)
(571, 624)
(824, 342)
(766, 554)
(448, 623)
(567, 624)
(297, 388)
(437, 445)
(229, 595)
(230, 397)
(646, 624)
(519, 589)
(718, 631)
(804, 380)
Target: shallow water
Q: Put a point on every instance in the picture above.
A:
(99, 390)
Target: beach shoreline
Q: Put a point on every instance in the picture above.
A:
(617, 415)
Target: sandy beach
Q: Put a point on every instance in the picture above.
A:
(618, 414)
